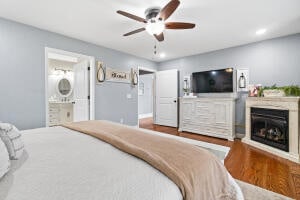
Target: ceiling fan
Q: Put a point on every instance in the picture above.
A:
(155, 20)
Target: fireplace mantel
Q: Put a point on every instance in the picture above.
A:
(280, 103)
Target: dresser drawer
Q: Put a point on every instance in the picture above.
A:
(53, 124)
(54, 115)
(207, 119)
(53, 105)
(54, 109)
(53, 121)
(54, 112)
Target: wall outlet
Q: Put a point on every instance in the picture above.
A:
(122, 121)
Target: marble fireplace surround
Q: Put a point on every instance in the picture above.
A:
(280, 103)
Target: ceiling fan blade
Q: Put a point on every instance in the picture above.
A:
(131, 16)
(135, 31)
(179, 25)
(168, 10)
(160, 37)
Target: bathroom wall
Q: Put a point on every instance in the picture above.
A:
(22, 77)
(274, 61)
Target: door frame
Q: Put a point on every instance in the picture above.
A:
(153, 91)
(91, 79)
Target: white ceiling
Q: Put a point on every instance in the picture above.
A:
(219, 23)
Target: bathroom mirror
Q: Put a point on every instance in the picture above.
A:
(64, 87)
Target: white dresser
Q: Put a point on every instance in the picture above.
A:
(208, 116)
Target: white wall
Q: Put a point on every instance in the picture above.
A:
(146, 100)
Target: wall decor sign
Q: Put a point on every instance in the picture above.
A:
(117, 75)
(242, 80)
(100, 74)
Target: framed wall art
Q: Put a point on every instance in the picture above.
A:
(116, 75)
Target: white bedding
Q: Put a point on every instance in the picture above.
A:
(60, 164)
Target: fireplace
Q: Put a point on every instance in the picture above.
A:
(282, 113)
(270, 127)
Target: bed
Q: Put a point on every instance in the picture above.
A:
(60, 163)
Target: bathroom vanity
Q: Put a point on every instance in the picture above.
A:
(61, 104)
(60, 112)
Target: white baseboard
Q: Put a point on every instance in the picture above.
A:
(147, 115)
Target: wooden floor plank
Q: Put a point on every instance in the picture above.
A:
(247, 163)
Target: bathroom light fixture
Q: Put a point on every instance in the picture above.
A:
(261, 31)
(155, 26)
(63, 70)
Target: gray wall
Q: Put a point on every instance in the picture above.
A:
(269, 62)
(146, 99)
(22, 76)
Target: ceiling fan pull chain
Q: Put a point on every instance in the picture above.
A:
(155, 48)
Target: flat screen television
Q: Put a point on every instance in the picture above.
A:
(214, 81)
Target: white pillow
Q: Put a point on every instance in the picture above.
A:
(4, 159)
(11, 137)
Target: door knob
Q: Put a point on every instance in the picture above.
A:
(175, 101)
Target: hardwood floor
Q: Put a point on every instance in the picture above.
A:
(247, 163)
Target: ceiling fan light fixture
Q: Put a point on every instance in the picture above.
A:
(162, 55)
(155, 27)
(155, 20)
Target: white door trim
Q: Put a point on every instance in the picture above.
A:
(147, 69)
(153, 91)
(92, 79)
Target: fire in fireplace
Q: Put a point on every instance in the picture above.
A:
(270, 127)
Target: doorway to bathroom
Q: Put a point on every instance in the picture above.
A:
(70, 87)
(146, 91)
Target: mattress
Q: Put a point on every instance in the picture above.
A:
(59, 163)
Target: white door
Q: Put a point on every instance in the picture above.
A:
(166, 98)
(81, 92)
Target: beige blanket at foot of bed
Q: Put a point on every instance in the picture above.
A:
(197, 172)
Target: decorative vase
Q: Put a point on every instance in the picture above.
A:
(100, 72)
